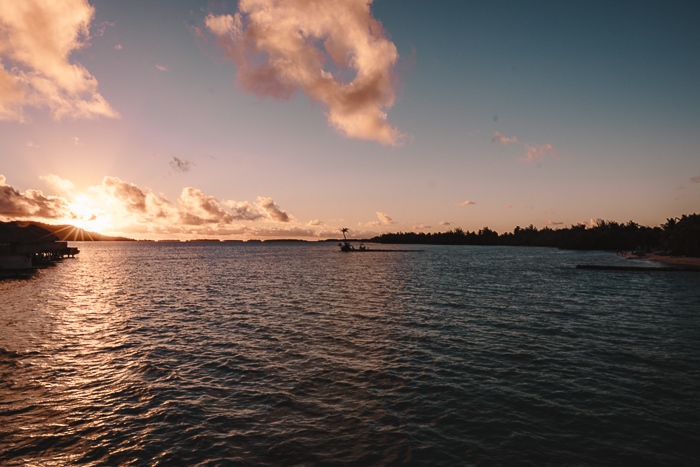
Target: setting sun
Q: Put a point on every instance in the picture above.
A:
(88, 214)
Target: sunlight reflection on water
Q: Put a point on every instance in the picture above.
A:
(296, 353)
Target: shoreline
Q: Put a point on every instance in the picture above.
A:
(685, 261)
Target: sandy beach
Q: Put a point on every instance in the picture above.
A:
(684, 261)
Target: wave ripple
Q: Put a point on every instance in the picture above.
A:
(288, 354)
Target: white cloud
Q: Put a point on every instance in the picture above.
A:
(312, 46)
(37, 38)
(57, 183)
(384, 218)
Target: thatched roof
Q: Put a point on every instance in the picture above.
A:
(21, 232)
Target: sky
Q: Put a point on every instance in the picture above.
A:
(175, 119)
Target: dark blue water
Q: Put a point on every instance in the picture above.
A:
(297, 354)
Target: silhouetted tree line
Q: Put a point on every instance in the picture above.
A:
(680, 235)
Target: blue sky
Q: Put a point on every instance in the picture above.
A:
(508, 113)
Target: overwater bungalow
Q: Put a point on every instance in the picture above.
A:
(24, 247)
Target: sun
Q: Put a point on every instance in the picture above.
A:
(88, 214)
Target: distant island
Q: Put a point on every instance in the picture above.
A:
(69, 233)
(678, 236)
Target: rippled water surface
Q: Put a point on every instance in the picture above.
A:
(288, 354)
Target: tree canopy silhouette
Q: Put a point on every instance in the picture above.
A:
(679, 236)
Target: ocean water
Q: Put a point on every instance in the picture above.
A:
(298, 354)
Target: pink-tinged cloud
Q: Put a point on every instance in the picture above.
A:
(129, 209)
(538, 152)
(384, 218)
(200, 208)
(37, 38)
(314, 223)
(445, 223)
(695, 179)
(421, 227)
(499, 138)
(467, 203)
(592, 222)
(332, 50)
(508, 206)
(162, 68)
(553, 223)
(271, 210)
(30, 204)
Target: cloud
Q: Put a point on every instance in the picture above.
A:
(314, 223)
(181, 165)
(508, 206)
(102, 27)
(36, 39)
(268, 206)
(499, 138)
(332, 50)
(467, 203)
(30, 204)
(538, 152)
(384, 218)
(118, 47)
(695, 179)
(57, 183)
(200, 208)
(162, 68)
(118, 207)
(551, 222)
(445, 223)
(243, 210)
(131, 196)
(533, 153)
(421, 227)
(593, 222)
(192, 208)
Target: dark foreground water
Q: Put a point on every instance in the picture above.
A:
(297, 354)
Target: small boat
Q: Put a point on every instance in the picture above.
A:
(346, 246)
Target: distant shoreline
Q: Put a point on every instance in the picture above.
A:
(665, 259)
